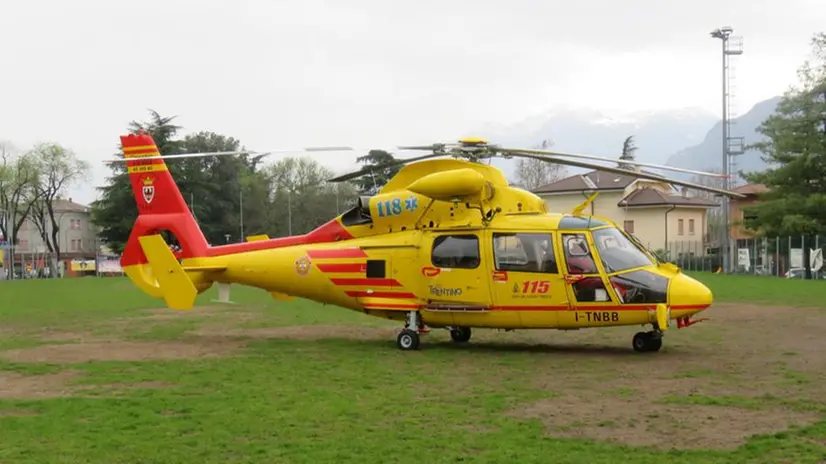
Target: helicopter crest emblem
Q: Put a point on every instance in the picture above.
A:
(303, 265)
(148, 189)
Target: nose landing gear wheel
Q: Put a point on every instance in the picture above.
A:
(646, 342)
(408, 340)
(460, 334)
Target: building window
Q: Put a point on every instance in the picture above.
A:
(628, 226)
(691, 227)
(680, 227)
(456, 251)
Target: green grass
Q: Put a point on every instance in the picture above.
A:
(767, 290)
(329, 400)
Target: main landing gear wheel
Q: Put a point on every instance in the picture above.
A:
(646, 342)
(408, 340)
(460, 334)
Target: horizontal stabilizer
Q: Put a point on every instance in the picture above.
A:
(177, 288)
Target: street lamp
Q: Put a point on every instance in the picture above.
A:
(724, 33)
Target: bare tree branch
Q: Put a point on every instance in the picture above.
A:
(533, 173)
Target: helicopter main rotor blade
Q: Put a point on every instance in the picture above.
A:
(226, 153)
(611, 160)
(367, 170)
(641, 175)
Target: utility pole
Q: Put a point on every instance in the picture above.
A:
(724, 34)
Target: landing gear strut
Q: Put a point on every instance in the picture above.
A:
(408, 338)
(646, 342)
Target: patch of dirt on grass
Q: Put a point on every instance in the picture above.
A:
(120, 351)
(202, 311)
(745, 355)
(18, 386)
(127, 386)
(661, 426)
(303, 332)
(74, 337)
(17, 413)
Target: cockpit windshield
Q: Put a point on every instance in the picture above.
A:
(617, 252)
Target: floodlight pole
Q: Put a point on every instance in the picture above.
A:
(723, 34)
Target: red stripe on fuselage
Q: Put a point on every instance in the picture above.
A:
(343, 267)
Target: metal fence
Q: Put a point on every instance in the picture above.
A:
(769, 256)
(39, 265)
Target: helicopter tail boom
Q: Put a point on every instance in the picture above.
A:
(147, 259)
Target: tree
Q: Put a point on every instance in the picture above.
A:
(18, 175)
(532, 173)
(628, 149)
(795, 148)
(58, 168)
(302, 199)
(380, 172)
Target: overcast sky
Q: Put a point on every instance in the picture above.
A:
(285, 74)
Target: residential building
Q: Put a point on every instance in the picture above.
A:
(77, 237)
(653, 211)
(736, 209)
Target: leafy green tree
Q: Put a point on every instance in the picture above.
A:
(380, 173)
(58, 168)
(301, 199)
(795, 149)
(18, 177)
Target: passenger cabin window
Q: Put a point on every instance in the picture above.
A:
(523, 252)
(456, 251)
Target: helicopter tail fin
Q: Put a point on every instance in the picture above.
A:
(147, 259)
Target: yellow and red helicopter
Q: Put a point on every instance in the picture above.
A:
(446, 243)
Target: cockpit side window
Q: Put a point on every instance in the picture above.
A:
(578, 255)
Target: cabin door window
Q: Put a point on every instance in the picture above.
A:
(582, 273)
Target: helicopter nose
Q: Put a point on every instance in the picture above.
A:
(687, 294)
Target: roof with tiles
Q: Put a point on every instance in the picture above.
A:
(654, 197)
(593, 180)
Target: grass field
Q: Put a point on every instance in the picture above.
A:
(91, 370)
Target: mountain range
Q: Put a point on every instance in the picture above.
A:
(687, 138)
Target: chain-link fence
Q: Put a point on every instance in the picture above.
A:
(769, 256)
